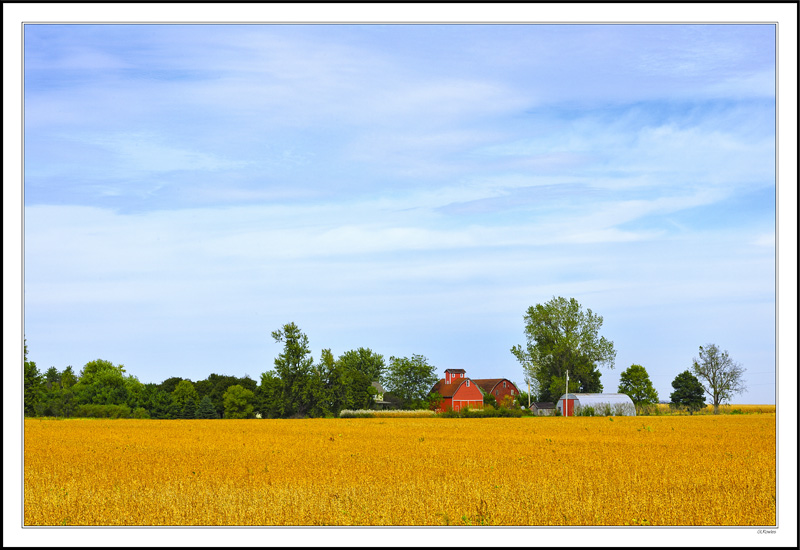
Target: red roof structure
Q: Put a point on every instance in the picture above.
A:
(457, 391)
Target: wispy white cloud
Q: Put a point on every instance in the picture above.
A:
(404, 187)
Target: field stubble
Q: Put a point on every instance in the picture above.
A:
(425, 471)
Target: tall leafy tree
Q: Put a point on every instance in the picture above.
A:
(269, 396)
(238, 402)
(356, 371)
(720, 375)
(184, 391)
(101, 383)
(298, 391)
(411, 379)
(635, 383)
(562, 337)
(689, 393)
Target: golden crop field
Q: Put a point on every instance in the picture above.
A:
(671, 470)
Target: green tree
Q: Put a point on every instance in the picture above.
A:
(205, 409)
(102, 383)
(159, 404)
(298, 390)
(189, 409)
(562, 337)
(411, 380)
(32, 382)
(68, 378)
(52, 377)
(689, 392)
(720, 375)
(238, 402)
(350, 378)
(184, 391)
(216, 385)
(269, 396)
(635, 383)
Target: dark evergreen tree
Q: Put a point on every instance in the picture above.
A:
(689, 393)
(189, 409)
(205, 409)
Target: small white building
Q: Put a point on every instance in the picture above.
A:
(602, 404)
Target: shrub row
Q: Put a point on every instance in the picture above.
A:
(486, 412)
(394, 413)
(109, 411)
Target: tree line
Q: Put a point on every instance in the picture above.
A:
(561, 337)
(297, 386)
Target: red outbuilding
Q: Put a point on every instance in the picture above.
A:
(458, 391)
(503, 389)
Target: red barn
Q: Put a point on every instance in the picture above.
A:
(502, 389)
(457, 391)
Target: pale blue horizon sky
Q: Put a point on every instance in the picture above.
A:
(408, 188)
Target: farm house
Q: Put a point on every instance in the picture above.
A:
(457, 391)
(501, 388)
(603, 404)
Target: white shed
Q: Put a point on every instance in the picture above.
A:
(603, 404)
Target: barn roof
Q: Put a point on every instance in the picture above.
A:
(488, 384)
(457, 371)
(448, 390)
(544, 405)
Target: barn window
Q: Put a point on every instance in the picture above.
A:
(504, 384)
(467, 383)
(512, 392)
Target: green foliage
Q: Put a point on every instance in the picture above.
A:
(562, 337)
(183, 392)
(94, 410)
(720, 375)
(298, 390)
(485, 412)
(32, 384)
(238, 402)
(635, 383)
(68, 378)
(354, 372)
(411, 380)
(140, 412)
(101, 383)
(205, 409)
(216, 385)
(189, 409)
(689, 393)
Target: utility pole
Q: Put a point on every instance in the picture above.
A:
(566, 397)
(529, 393)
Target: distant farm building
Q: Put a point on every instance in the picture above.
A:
(377, 398)
(599, 404)
(543, 408)
(503, 390)
(457, 391)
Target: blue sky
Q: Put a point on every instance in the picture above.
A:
(408, 188)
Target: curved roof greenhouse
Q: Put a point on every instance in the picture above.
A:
(603, 404)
